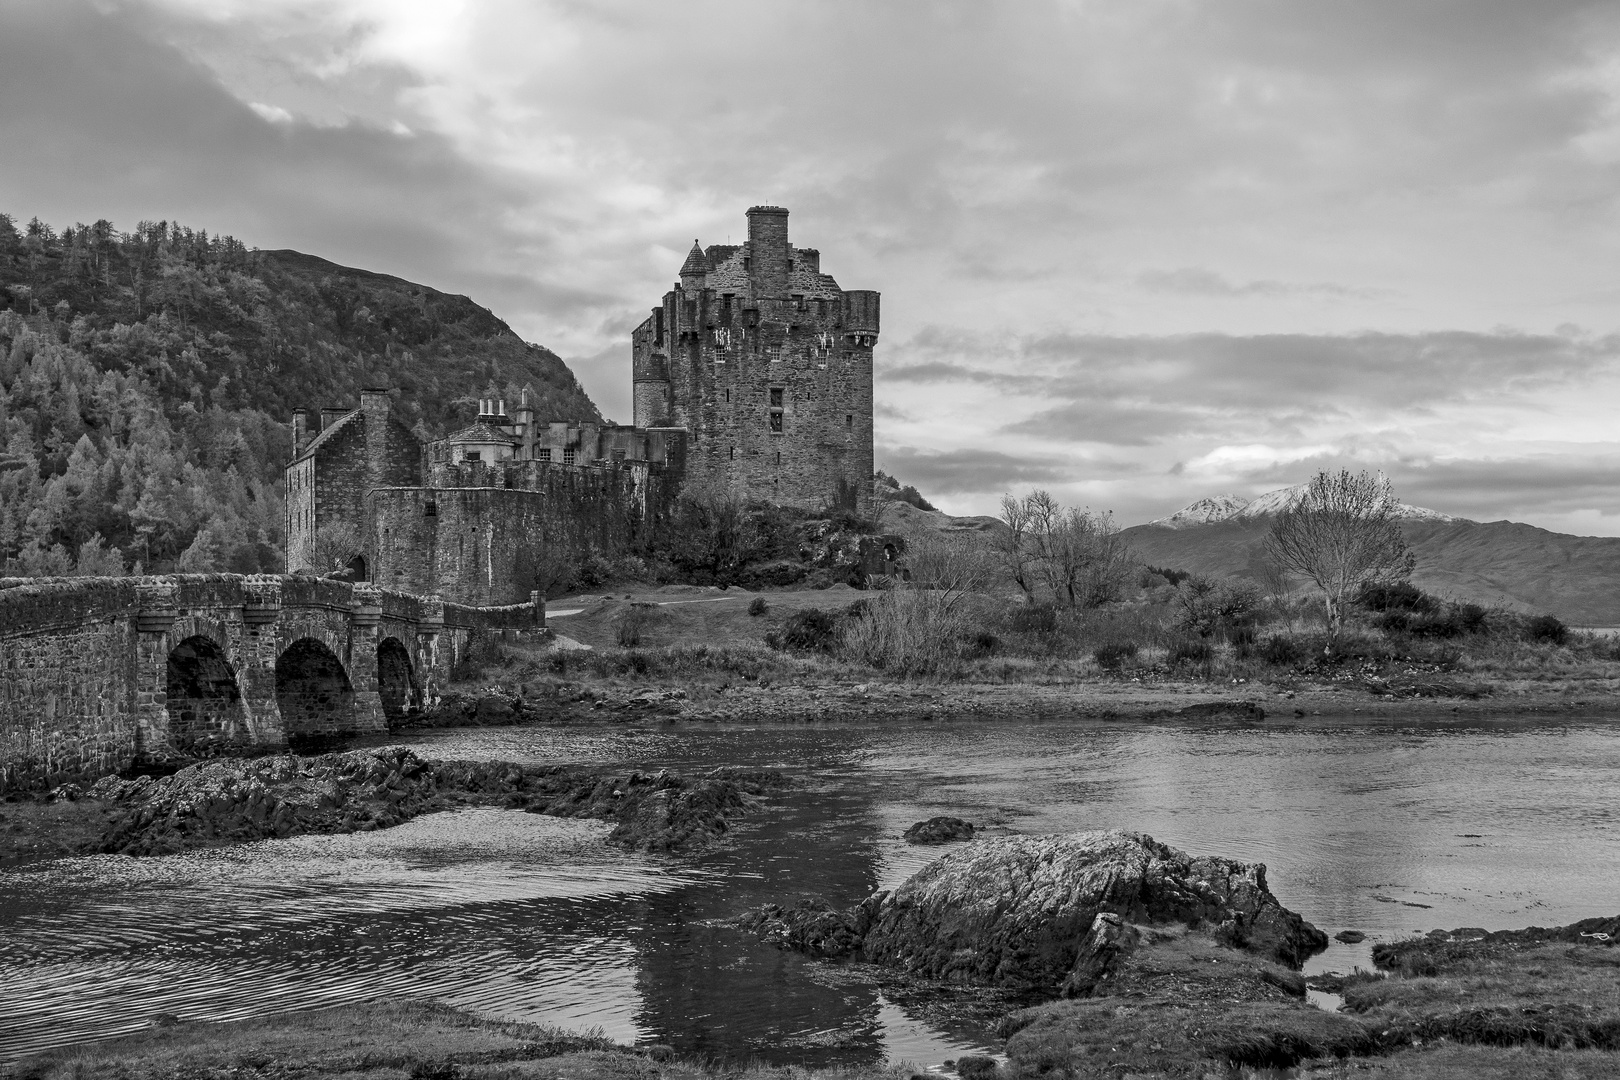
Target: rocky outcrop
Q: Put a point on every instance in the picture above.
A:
(939, 830)
(1049, 912)
(229, 801)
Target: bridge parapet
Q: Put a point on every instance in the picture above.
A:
(99, 673)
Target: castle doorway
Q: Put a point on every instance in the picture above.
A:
(356, 569)
(204, 702)
(313, 693)
(396, 684)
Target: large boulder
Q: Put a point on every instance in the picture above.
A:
(1023, 911)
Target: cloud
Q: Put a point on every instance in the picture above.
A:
(953, 471)
(273, 113)
(1193, 281)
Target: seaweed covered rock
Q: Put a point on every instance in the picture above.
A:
(1047, 912)
(1016, 910)
(228, 801)
(939, 830)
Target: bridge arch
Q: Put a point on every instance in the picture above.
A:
(203, 697)
(396, 679)
(313, 691)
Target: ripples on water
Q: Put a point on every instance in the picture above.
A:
(1380, 827)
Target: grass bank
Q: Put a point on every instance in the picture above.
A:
(386, 1040)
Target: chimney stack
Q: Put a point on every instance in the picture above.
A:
(300, 426)
(330, 416)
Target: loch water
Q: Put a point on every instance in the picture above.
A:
(1388, 827)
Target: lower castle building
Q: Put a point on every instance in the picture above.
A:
(756, 372)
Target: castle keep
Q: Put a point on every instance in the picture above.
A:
(756, 373)
(767, 365)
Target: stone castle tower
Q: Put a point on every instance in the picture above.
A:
(767, 364)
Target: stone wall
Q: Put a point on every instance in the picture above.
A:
(99, 674)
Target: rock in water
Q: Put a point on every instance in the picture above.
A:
(1023, 911)
(1015, 911)
(939, 830)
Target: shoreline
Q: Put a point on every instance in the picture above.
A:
(809, 701)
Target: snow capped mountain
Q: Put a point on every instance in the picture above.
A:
(1204, 511)
(1232, 507)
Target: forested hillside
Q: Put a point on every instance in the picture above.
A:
(148, 378)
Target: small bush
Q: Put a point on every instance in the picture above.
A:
(1113, 655)
(1396, 596)
(1281, 650)
(981, 644)
(1033, 619)
(1548, 628)
(757, 606)
(1191, 651)
(631, 624)
(810, 630)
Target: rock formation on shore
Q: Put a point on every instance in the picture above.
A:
(1049, 912)
(230, 801)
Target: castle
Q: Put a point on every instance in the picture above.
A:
(754, 372)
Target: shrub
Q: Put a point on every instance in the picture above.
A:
(1207, 608)
(1112, 656)
(907, 632)
(1395, 596)
(1033, 618)
(810, 630)
(1191, 651)
(1548, 628)
(982, 644)
(633, 622)
(758, 606)
(1174, 577)
(1281, 650)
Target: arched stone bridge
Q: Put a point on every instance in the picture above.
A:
(97, 674)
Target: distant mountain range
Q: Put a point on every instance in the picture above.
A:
(1231, 507)
(1501, 563)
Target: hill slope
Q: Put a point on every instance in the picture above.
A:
(1576, 578)
(147, 380)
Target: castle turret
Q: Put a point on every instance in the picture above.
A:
(768, 251)
(694, 269)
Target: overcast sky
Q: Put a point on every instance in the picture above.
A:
(1136, 252)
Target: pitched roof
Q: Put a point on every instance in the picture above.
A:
(483, 433)
(329, 432)
(696, 262)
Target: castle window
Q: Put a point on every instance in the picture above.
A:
(776, 421)
(543, 454)
(773, 354)
(475, 455)
(568, 455)
(430, 510)
(849, 421)
(776, 397)
(733, 453)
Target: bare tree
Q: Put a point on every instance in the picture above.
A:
(951, 564)
(336, 546)
(1077, 552)
(1013, 546)
(1341, 535)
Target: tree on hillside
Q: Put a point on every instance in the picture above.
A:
(1341, 535)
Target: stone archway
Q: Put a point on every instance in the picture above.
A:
(356, 569)
(203, 698)
(396, 681)
(313, 692)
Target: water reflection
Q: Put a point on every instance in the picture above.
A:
(1386, 828)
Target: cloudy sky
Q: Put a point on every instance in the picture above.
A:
(1133, 251)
